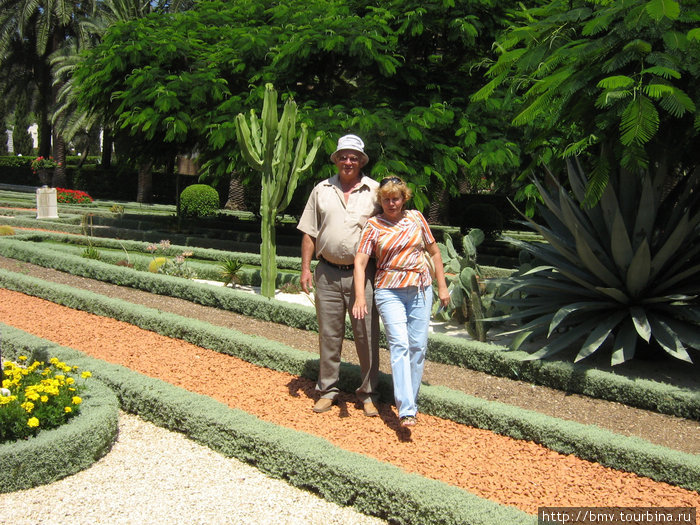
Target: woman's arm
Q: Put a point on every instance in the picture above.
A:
(435, 255)
(359, 308)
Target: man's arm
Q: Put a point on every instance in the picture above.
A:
(308, 248)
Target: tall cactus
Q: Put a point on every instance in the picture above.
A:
(267, 144)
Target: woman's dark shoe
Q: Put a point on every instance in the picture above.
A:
(408, 421)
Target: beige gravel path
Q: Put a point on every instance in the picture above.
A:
(153, 476)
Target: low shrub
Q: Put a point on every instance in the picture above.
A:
(199, 200)
(6, 230)
(91, 253)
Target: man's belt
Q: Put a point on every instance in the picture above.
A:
(344, 267)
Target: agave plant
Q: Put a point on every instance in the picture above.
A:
(625, 270)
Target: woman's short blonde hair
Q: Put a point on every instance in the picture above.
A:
(391, 185)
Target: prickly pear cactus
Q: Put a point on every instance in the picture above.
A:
(464, 283)
(267, 144)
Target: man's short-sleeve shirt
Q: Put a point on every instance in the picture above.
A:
(335, 225)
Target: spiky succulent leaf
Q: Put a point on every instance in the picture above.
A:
(627, 269)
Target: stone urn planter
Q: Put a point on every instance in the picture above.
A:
(45, 176)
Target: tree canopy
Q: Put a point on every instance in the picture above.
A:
(614, 81)
(398, 75)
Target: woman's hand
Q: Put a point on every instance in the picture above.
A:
(444, 296)
(359, 309)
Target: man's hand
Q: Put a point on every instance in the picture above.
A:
(308, 247)
(307, 280)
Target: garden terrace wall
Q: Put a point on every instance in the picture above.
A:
(635, 384)
(370, 486)
(585, 441)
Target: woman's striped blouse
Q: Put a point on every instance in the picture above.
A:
(398, 247)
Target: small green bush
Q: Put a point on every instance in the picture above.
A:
(91, 253)
(199, 200)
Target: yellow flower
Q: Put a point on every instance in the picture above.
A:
(6, 400)
(70, 381)
(32, 422)
(54, 360)
(86, 374)
(32, 396)
(76, 400)
(44, 399)
(22, 358)
(68, 410)
(28, 406)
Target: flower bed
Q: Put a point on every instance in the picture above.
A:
(65, 450)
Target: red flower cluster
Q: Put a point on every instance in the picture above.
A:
(42, 163)
(72, 196)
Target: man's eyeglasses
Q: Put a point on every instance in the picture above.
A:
(387, 180)
(351, 158)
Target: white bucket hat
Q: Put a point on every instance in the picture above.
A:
(354, 143)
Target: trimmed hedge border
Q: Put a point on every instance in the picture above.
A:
(288, 263)
(640, 389)
(567, 437)
(372, 487)
(107, 232)
(70, 448)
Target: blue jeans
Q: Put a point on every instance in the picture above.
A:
(405, 313)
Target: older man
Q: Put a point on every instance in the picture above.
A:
(332, 221)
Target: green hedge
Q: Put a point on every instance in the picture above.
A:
(70, 448)
(183, 239)
(585, 441)
(370, 486)
(636, 384)
(253, 259)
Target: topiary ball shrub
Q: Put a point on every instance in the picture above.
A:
(483, 216)
(199, 200)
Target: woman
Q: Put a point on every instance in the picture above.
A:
(403, 287)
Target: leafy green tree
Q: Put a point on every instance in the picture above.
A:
(616, 83)
(398, 75)
(30, 30)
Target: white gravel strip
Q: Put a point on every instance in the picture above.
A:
(154, 476)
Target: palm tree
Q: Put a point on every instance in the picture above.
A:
(68, 117)
(30, 31)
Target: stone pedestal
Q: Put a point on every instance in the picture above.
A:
(46, 203)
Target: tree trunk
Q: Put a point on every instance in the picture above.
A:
(107, 144)
(144, 192)
(437, 207)
(59, 173)
(44, 105)
(236, 194)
